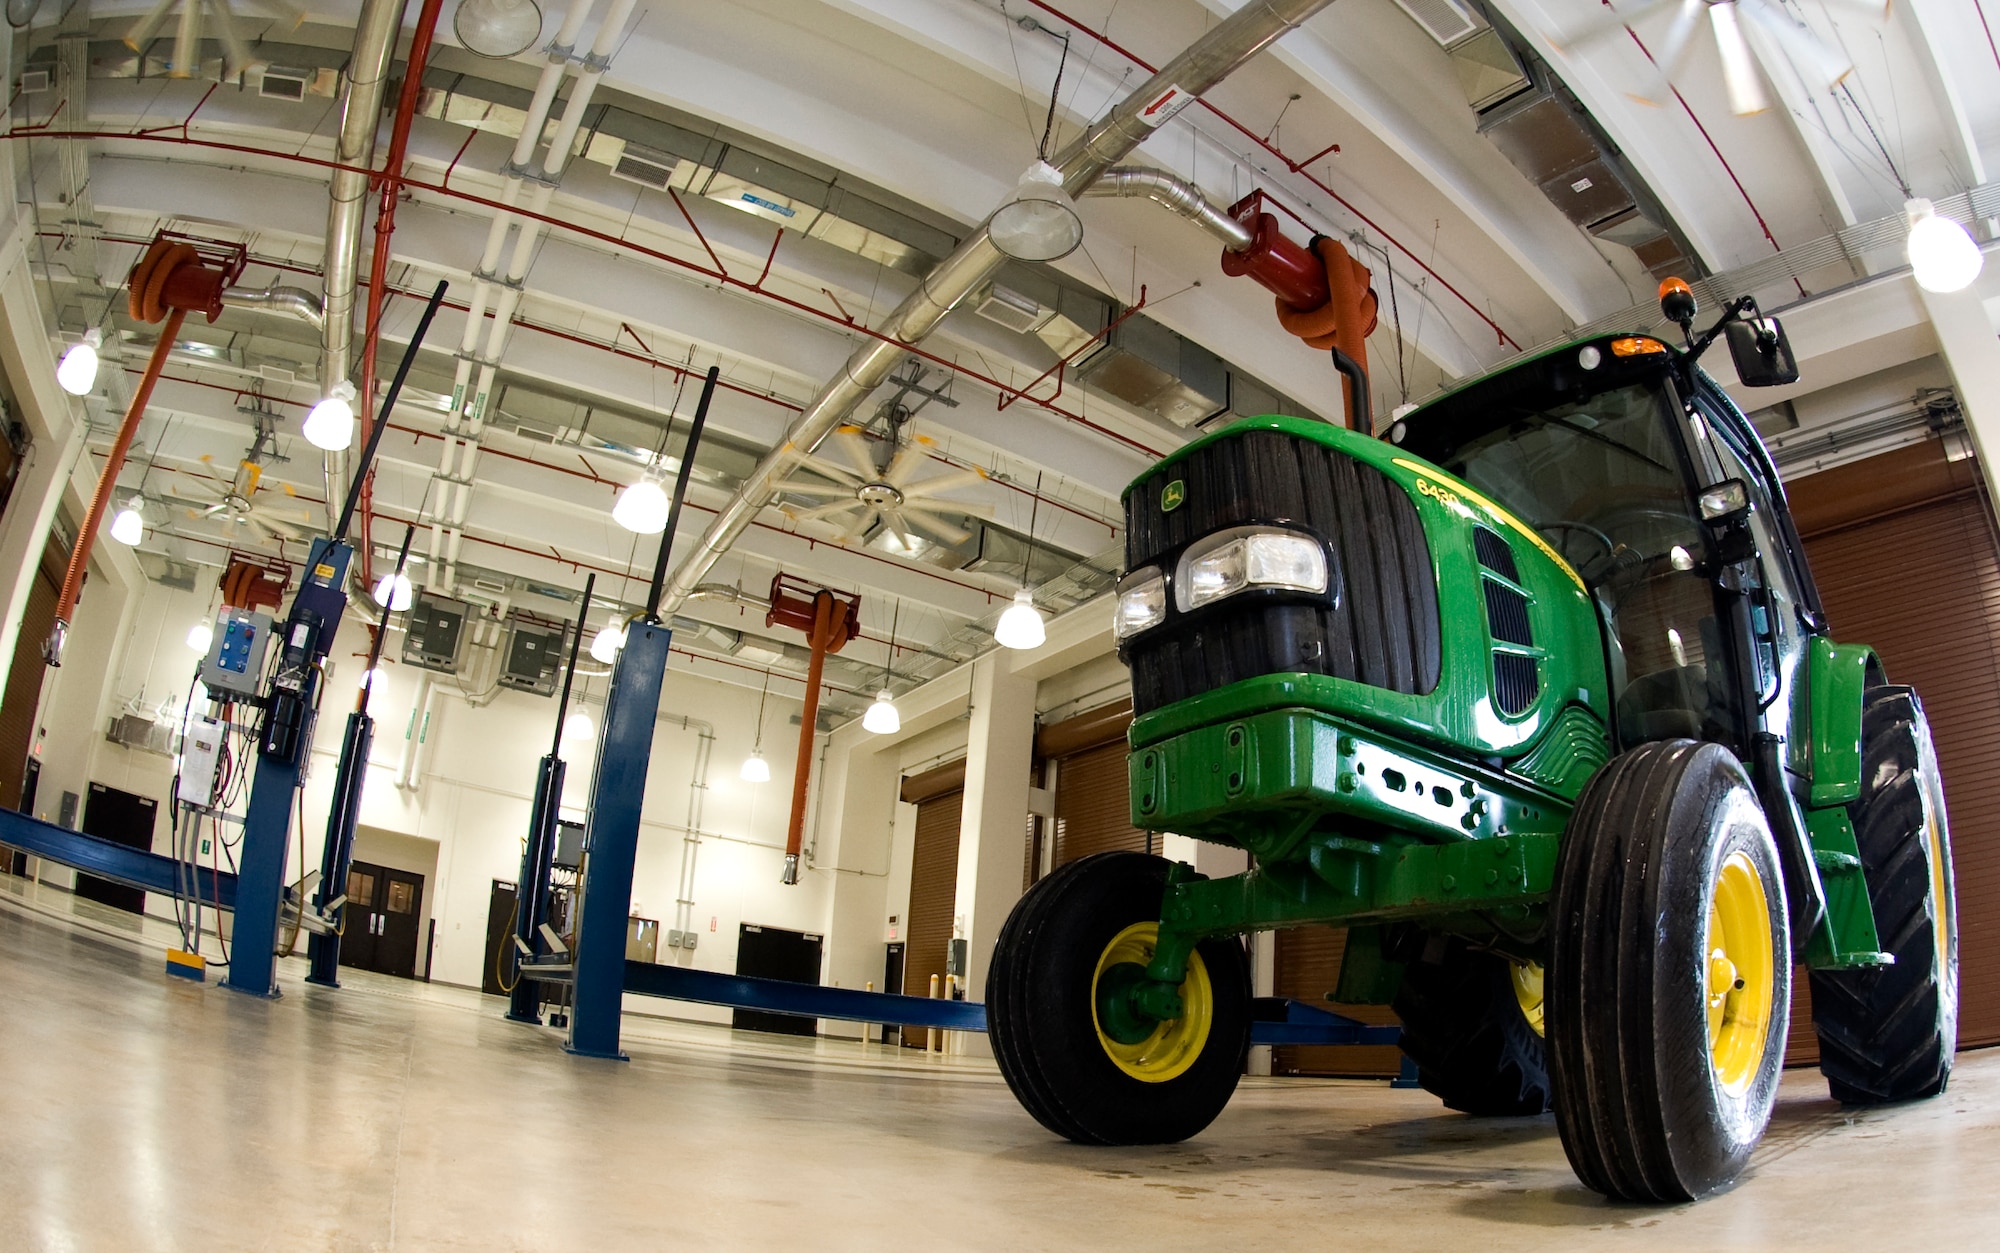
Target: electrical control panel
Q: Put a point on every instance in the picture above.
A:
(236, 652)
(569, 845)
(434, 628)
(201, 753)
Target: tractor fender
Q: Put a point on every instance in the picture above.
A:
(1838, 676)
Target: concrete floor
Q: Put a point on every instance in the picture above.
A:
(147, 1113)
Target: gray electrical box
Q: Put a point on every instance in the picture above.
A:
(534, 658)
(569, 845)
(236, 651)
(436, 629)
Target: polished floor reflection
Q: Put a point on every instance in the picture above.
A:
(146, 1113)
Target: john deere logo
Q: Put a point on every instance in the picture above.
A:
(1172, 495)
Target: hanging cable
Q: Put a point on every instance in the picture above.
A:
(1048, 127)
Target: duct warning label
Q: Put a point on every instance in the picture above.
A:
(1160, 108)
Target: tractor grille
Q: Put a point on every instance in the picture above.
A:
(1382, 625)
(1516, 678)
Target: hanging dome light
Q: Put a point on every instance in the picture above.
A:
(756, 769)
(642, 507)
(369, 677)
(1037, 221)
(882, 717)
(1942, 256)
(77, 371)
(330, 425)
(394, 592)
(605, 644)
(128, 527)
(577, 726)
(1021, 626)
(199, 637)
(497, 28)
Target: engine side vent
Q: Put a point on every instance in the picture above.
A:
(1516, 682)
(1495, 554)
(1507, 614)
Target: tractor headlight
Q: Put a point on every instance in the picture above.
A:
(1142, 602)
(1235, 561)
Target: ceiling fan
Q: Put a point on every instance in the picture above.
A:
(862, 494)
(1745, 32)
(239, 503)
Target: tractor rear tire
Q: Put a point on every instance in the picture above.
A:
(1089, 923)
(1669, 981)
(1466, 1028)
(1887, 1033)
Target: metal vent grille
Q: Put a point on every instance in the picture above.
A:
(1495, 554)
(1516, 682)
(1446, 21)
(645, 167)
(1507, 614)
(282, 83)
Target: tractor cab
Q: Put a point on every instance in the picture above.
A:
(1642, 474)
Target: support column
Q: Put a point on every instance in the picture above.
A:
(1965, 334)
(993, 833)
(24, 531)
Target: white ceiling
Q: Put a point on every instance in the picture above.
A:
(939, 104)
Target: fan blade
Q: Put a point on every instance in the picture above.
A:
(1739, 67)
(209, 512)
(251, 474)
(828, 511)
(855, 449)
(1680, 38)
(1819, 63)
(821, 490)
(1606, 25)
(907, 461)
(944, 483)
(893, 519)
(289, 489)
(861, 526)
(839, 474)
(936, 525)
(261, 531)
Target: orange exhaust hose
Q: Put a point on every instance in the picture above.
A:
(1348, 317)
(107, 482)
(827, 620)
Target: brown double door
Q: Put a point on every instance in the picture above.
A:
(384, 906)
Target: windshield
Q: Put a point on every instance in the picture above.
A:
(1601, 479)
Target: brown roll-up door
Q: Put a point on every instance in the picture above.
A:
(1093, 728)
(933, 895)
(1308, 966)
(24, 681)
(1902, 547)
(935, 782)
(1092, 805)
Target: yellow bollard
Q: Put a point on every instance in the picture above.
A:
(864, 1026)
(930, 1033)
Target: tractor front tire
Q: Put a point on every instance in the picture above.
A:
(1669, 981)
(1470, 1023)
(1887, 1033)
(1066, 945)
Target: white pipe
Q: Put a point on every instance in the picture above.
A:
(691, 839)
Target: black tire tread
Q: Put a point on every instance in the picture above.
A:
(1882, 1029)
(1463, 1027)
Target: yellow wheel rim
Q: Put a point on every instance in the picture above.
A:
(1740, 976)
(1940, 892)
(1527, 980)
(1174, 1044)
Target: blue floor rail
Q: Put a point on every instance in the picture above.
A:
(133, 867)
(1274, 1020)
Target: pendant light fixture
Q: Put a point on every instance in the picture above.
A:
(882, 717)
(1022, 625)
(605, 644)
(497, 28)
(642, 507)
(77, 371)
(1038, 219)
(394, 591)
(200, 636)
(755, 768)
(129, 527)
(1943, 257)
(330, 425)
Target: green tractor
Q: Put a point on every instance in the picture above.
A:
(1534, 695)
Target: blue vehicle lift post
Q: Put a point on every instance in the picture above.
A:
(531, 895)
(286, 731)
(323, 951)
(617, 793)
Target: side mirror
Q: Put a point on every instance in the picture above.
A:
(1762, 354)
(1725, 502)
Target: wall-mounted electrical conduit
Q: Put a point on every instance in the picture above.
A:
(471, 396)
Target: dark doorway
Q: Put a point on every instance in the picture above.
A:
(123, 818)
(383, 907)
(892, 981)
(499, 936)
(774, 953)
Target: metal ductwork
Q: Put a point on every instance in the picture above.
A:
(296, 301)
(354, 147)
(1209, 60)
(1177, 194)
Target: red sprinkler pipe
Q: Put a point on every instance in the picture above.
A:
(378, 265)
